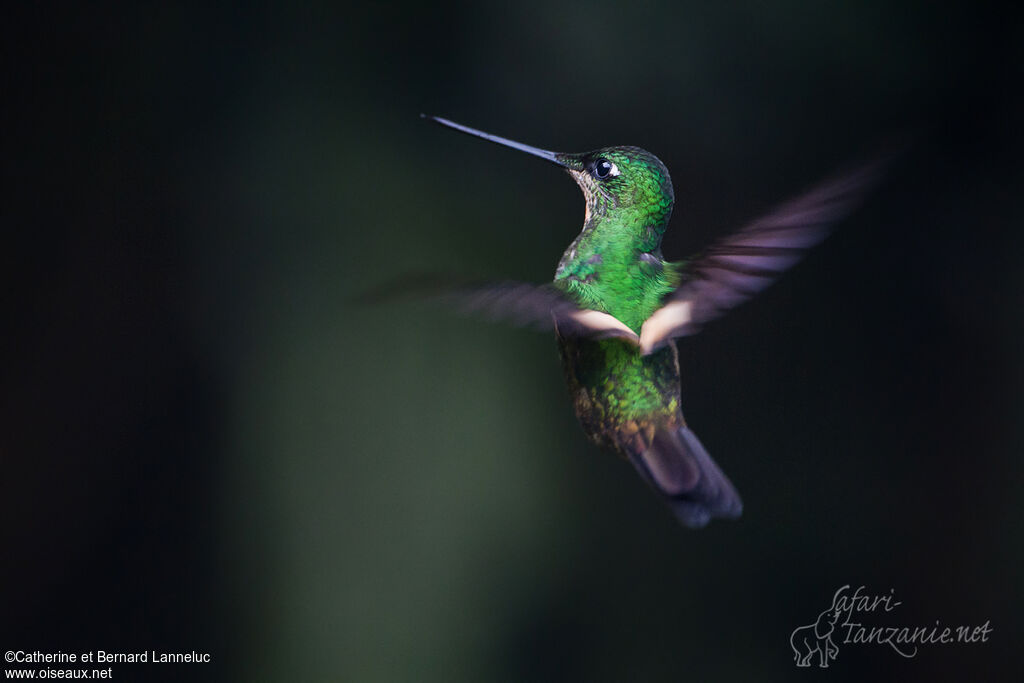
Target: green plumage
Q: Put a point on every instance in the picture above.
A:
(618, 307)
(619, 395)
(615, 266)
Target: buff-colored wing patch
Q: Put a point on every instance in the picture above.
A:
(602, 325)
(662, 323)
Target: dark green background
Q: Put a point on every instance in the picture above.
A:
(206, 445)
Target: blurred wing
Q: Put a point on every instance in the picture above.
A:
(537, 306)
(520, 303)
(746, 262)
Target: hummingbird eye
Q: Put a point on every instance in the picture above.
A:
(604, 169)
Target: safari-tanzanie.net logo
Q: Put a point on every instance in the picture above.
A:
(859, 618)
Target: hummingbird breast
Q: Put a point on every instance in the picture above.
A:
(619, 395)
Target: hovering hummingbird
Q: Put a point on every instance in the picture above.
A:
(617, 307)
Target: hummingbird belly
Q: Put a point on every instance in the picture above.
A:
(619, 395)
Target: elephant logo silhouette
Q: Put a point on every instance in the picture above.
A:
(816, 638)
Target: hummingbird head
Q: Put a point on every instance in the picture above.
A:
(626, 188)
(626, 184)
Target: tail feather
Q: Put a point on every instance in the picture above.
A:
(676, 465)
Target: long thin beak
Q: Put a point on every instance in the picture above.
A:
(535, 151)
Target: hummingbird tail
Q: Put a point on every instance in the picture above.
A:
(676, 465)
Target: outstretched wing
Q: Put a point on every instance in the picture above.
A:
(743, 264)
(538, 306)
(520, 303)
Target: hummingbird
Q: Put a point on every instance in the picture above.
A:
(617, 307)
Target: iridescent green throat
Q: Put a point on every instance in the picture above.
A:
(615, 264)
